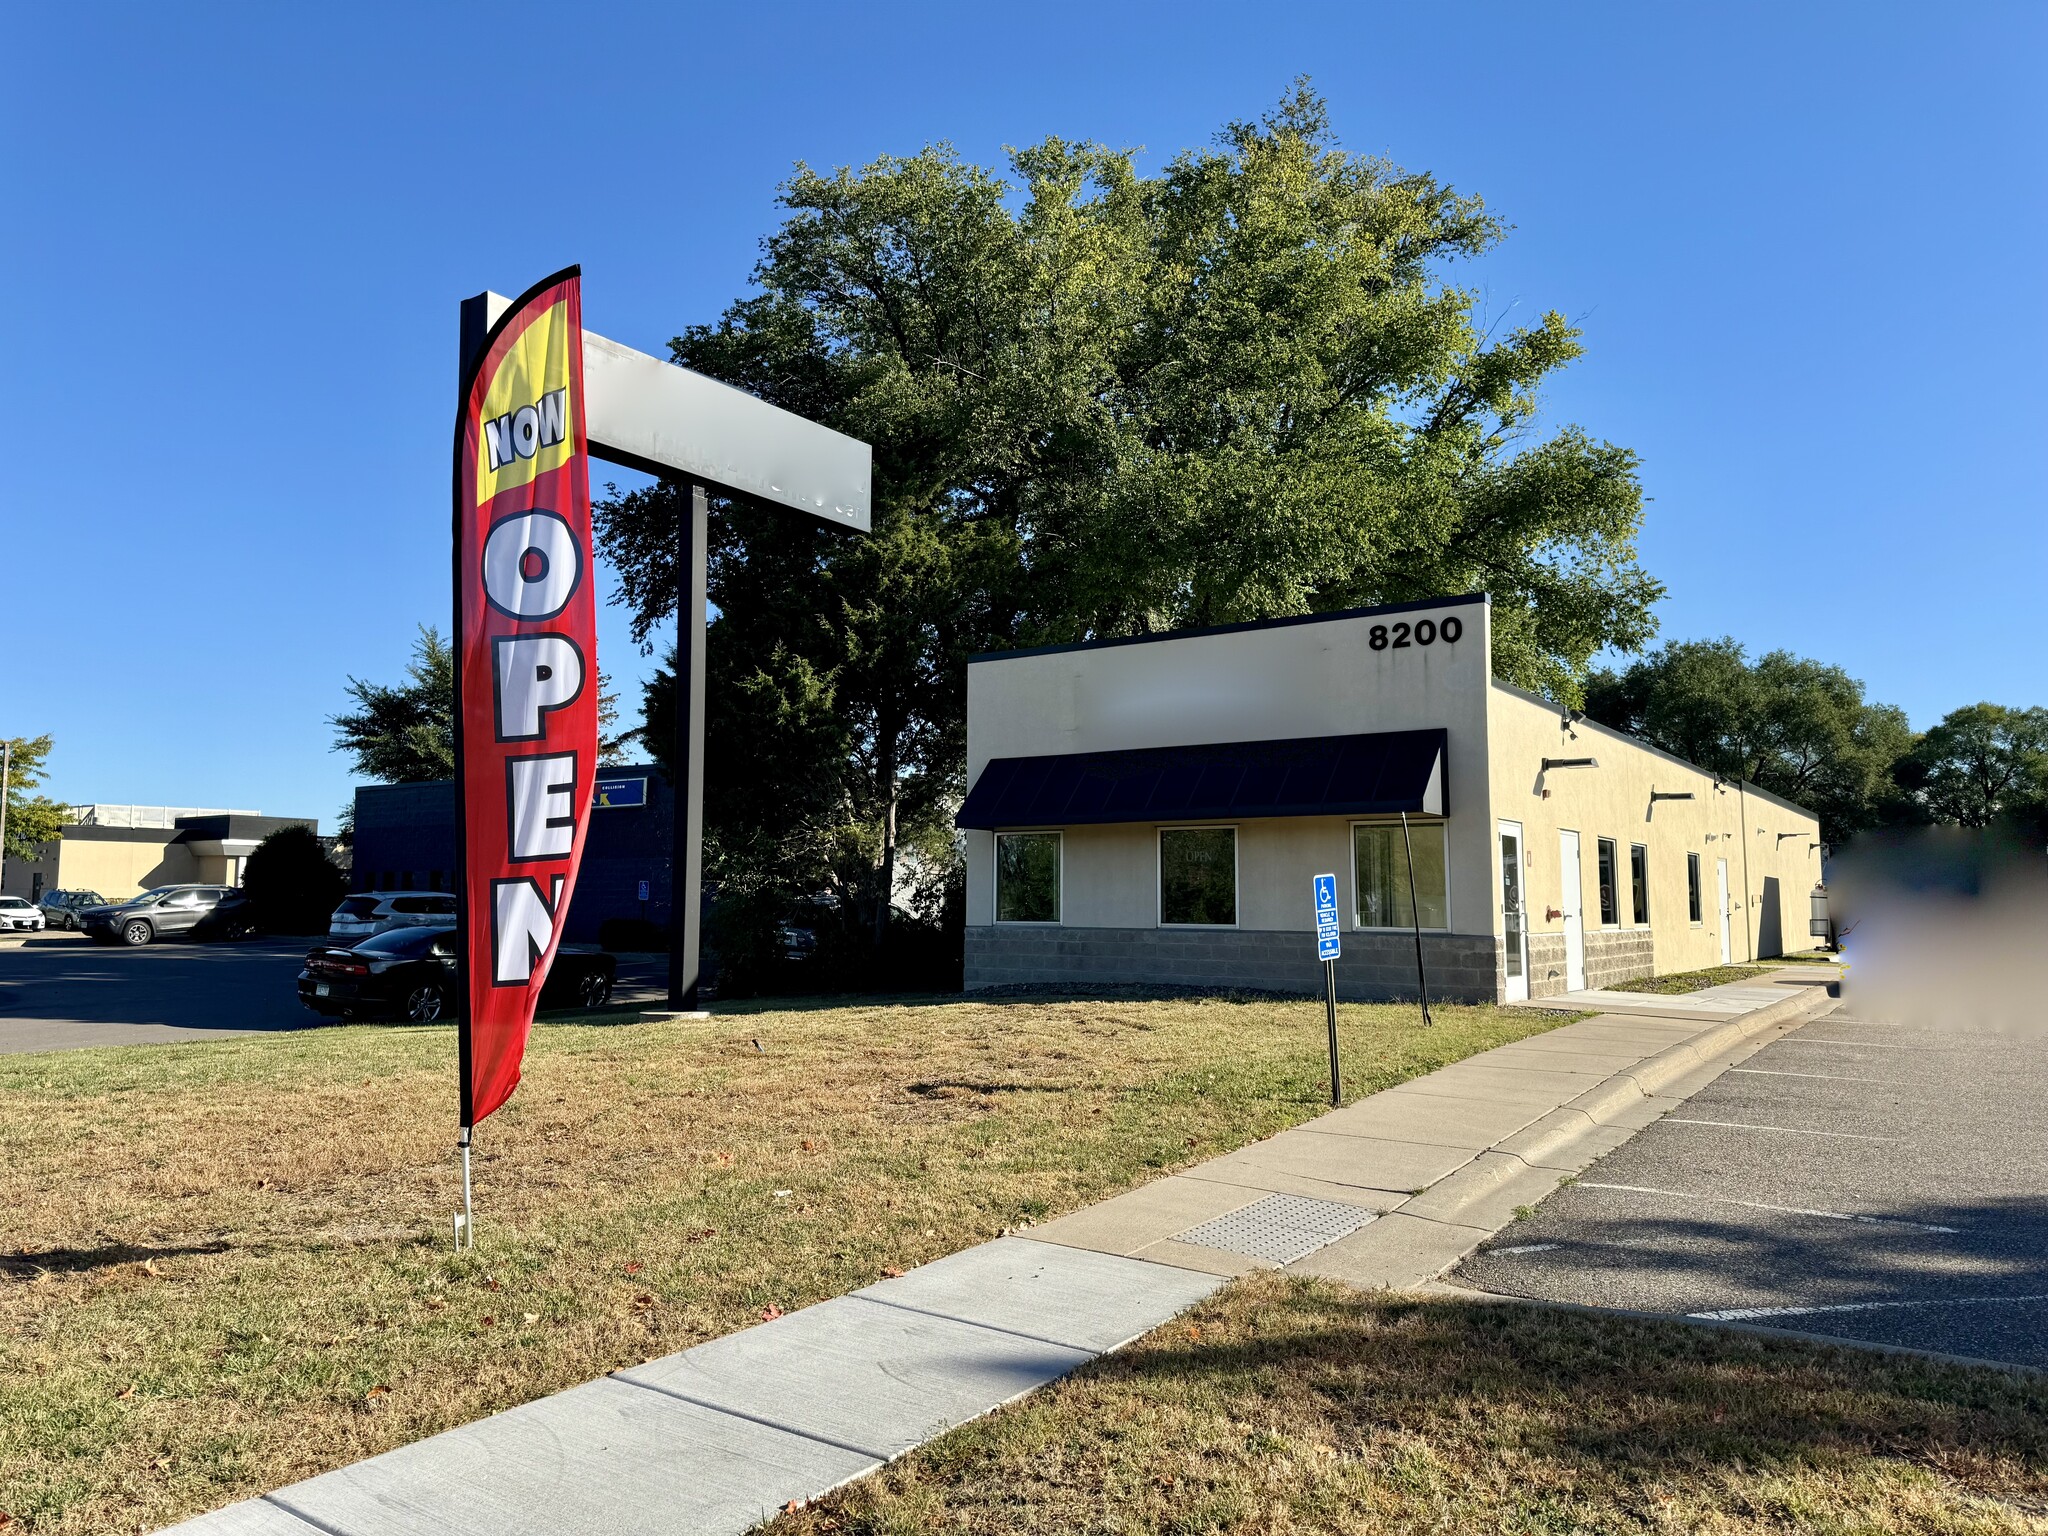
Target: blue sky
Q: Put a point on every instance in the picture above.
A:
(1804, 241)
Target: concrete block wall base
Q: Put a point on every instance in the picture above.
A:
(1375, 967)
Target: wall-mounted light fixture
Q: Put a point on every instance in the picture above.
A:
(1669, 794)
(1783, 835)
(1570, 762)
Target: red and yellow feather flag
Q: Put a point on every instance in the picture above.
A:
(525, 671)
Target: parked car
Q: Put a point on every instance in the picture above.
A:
(61, 908)
(172, 911)
(19, 916)
(409, 973)
(369, 912)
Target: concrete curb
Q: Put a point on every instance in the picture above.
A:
(1557, 1141)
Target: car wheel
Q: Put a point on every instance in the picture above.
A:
(594, 990)
(423, 1004)
(137, 932)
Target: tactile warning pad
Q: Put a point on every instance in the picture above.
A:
(1282, 1228)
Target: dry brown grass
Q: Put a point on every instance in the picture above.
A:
(225, 1266)
(1283, 1407)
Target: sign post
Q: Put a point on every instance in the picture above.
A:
(1328, 948)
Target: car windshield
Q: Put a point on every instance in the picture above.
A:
(12, 901)
(357, 906)
(151, 898)
(404, 942)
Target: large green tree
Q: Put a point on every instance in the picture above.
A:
(31, 818)
(1796, 727)
(1979, 763)
(404, 733)
(1104, 403)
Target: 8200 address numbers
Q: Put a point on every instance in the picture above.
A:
(1424, 631)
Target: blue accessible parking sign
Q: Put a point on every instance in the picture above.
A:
(1327, 947)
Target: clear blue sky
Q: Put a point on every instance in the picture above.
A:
(1805, 242)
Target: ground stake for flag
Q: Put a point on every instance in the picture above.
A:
(465, 1219)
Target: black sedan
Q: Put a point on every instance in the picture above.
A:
(409, 973)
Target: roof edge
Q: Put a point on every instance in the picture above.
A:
(1463, 599)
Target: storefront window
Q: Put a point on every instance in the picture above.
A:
(1610, 894)
(1198, 875)
(1380, 870)
(1027, 877)
(1639, 881)
(1692, 885)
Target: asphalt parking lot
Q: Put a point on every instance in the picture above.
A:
(1859, 1179)
(60, 991)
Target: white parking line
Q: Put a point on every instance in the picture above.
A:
(1528, 1248)
(1759, 1205)
(1751, 1314)
(1826, 1077)
(1791, 1130)
(1873, 1045)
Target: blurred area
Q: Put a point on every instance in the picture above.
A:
(1945, 925)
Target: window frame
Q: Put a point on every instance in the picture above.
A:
(1639, 884)
(1236, 873)
(1695, 902)
(1607, 880)
(995, 879)
(1442, 824)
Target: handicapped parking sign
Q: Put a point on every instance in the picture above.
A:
(1327, 946)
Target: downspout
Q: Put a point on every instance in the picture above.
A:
(1742, 819)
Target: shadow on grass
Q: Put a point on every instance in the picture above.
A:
(27, 1262)
(1300, 1404)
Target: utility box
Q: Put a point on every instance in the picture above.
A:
(1817, 925)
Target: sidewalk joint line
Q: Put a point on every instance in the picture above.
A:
(1790, 1130)
(1015, 1333)
(299, 1515)
(751, 1418)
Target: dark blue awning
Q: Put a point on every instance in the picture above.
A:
(1376, 774)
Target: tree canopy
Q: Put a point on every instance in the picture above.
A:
(31, 818)
(1105, 403)
(1796, 727)
(404, 733)
(1980, 763)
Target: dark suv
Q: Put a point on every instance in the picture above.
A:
(172, 911)
(61, 908)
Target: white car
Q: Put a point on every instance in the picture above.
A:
(18, 916)
(369, 912)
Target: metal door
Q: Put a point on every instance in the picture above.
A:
(1727, 916)
(1514, 916)
(1572, 903)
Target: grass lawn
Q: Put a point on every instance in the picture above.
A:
(1692, 981)
(1285, 1406)
(225, 1266)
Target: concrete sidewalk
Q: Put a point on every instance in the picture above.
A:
(1389, 1191)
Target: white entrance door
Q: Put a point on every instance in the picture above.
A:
(1574, 909)
(1727, 917)
(1514, 917)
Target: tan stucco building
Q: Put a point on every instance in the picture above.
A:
(122, 852)
(1154, 811)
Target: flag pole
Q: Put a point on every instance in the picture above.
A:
(1415, 913)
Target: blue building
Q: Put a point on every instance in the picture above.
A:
(405, 841)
